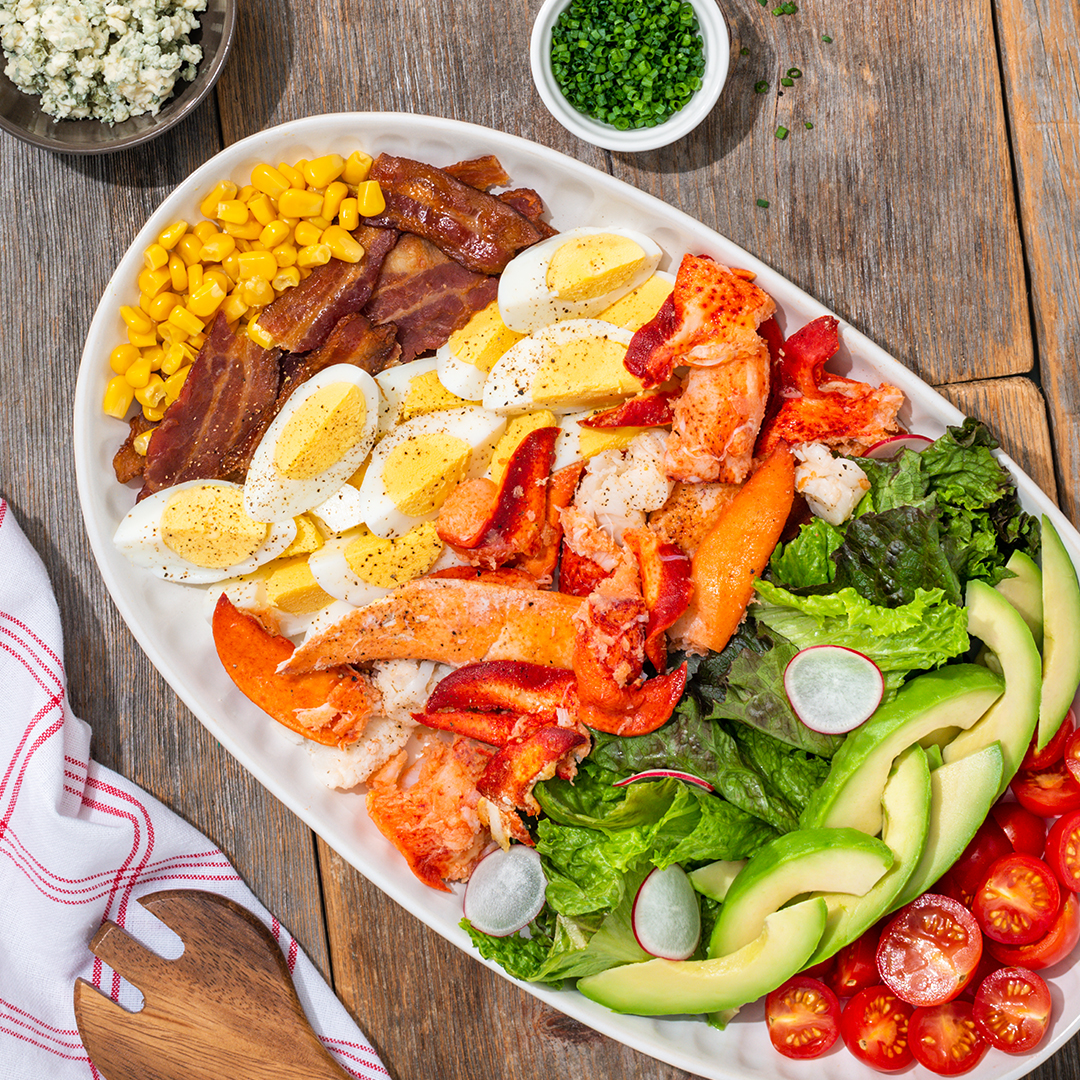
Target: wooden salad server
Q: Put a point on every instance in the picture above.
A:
(226, 1008)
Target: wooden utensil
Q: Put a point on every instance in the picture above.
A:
(226, 1008)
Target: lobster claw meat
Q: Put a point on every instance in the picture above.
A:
(560, 491)
(493, 728)
(578, 574)
(645, 410)
(331, 707)
(666, 586)
(645, 709)
(514, 685)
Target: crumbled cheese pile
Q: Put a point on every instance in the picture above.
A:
(96, 59)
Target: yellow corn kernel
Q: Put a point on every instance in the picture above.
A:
(248, 231)
(136, 320)
(369, 198)
(185, 320)
(257, 264)
(305, 233)
(215, 273)
(218, 248)
(161, 305)
(349, 214)
(144, 303)
(190, 247)
(206, 299)
(262, 209)
(233, 307)
(119, 394)
(141, 441)
(152, 282)
(174, 382)
(177, 355)
(357, 167)
(194, 277)
(275, 232)
(168, 237)
(232, 210)
(300, 203)
(247, 193)
(256, 291)
(154, 414)
(313, 255)
(342, 244)
(231, 265)
(122, 357)
(155, 256)
(222, 191)
(171, 334)
(323, 171)
(287, 277)
(204, 230)
(269, 180)
(242, 245)
(142, 340)
(197, 341)
(259, 335)
(294, 176)
(153, 393)
(138, 375)
(178, 274)
(333, 197)
(155, 354)
(284, 254)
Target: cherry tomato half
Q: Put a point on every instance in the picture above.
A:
(1012, 1009)
(1026, 831)
(930, 950)
(1054, 750)
(989, 844)
(874, 1027)
(1048, 792)
(1071, 755)
(1051, 948)
(1063, 850)
(1018, 901)
(803, 1017)
(946, 1039)
(856, 966)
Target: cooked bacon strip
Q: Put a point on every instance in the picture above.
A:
(483, 173)
(711, 316)
(127, 462)
(645, 410)
(230, 387)
(817, 406)
(301, 319)
(475, 229)
(426, 295)
(528, 202)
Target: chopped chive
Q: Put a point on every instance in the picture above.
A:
(763, 3)
(808, 125)
(778, 10)
(744, 51)
(794, 73)
(763, 203)
(785, 81)
(760, 86)
(781, 132)
(826, 39)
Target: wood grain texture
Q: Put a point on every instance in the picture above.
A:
(1042, 73)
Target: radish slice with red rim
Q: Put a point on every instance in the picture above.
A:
(833, 689)
(663, 774)
(506, 891)
(666, 917)
(890, 447)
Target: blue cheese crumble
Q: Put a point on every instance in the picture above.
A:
(99, 60)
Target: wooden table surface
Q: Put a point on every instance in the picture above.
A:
(933, 205)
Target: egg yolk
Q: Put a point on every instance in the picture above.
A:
(308, 538)
(636, 308)
(207, 526)
(421, 471)
(320, 431)
(593, 441)
(427, 395)
(583, 371)
(483, 339)
(387, 563)
(290, 586)
(592, 265)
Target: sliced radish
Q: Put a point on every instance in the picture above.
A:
(666, 917)
(661, 774)
(833, 689)
(506, 891)
(890, 447)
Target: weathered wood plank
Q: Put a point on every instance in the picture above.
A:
(1042, 72)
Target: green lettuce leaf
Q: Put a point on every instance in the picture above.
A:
(806, 560)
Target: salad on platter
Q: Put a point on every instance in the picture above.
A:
(616, 603)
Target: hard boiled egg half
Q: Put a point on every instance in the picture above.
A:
(416, 465)
(321, 436)
(574, 275)
(198, 532)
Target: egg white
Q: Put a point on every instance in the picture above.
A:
(138, 536)
(477, 427)
(393, 384)
(331, 570)
(270, 496)
(527, 303)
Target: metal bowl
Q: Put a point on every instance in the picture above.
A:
(21, 113)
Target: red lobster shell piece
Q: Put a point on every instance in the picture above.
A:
(665, 586)
(645, 410)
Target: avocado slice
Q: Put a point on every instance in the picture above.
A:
(1061, 633)
(1011, 720)
(961, 794)
(951, 697)
(668, 987)
(1024, 592)
(803, 861)
(906, 806)
(714, 879)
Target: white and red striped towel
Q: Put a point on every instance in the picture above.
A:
(78, 844)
